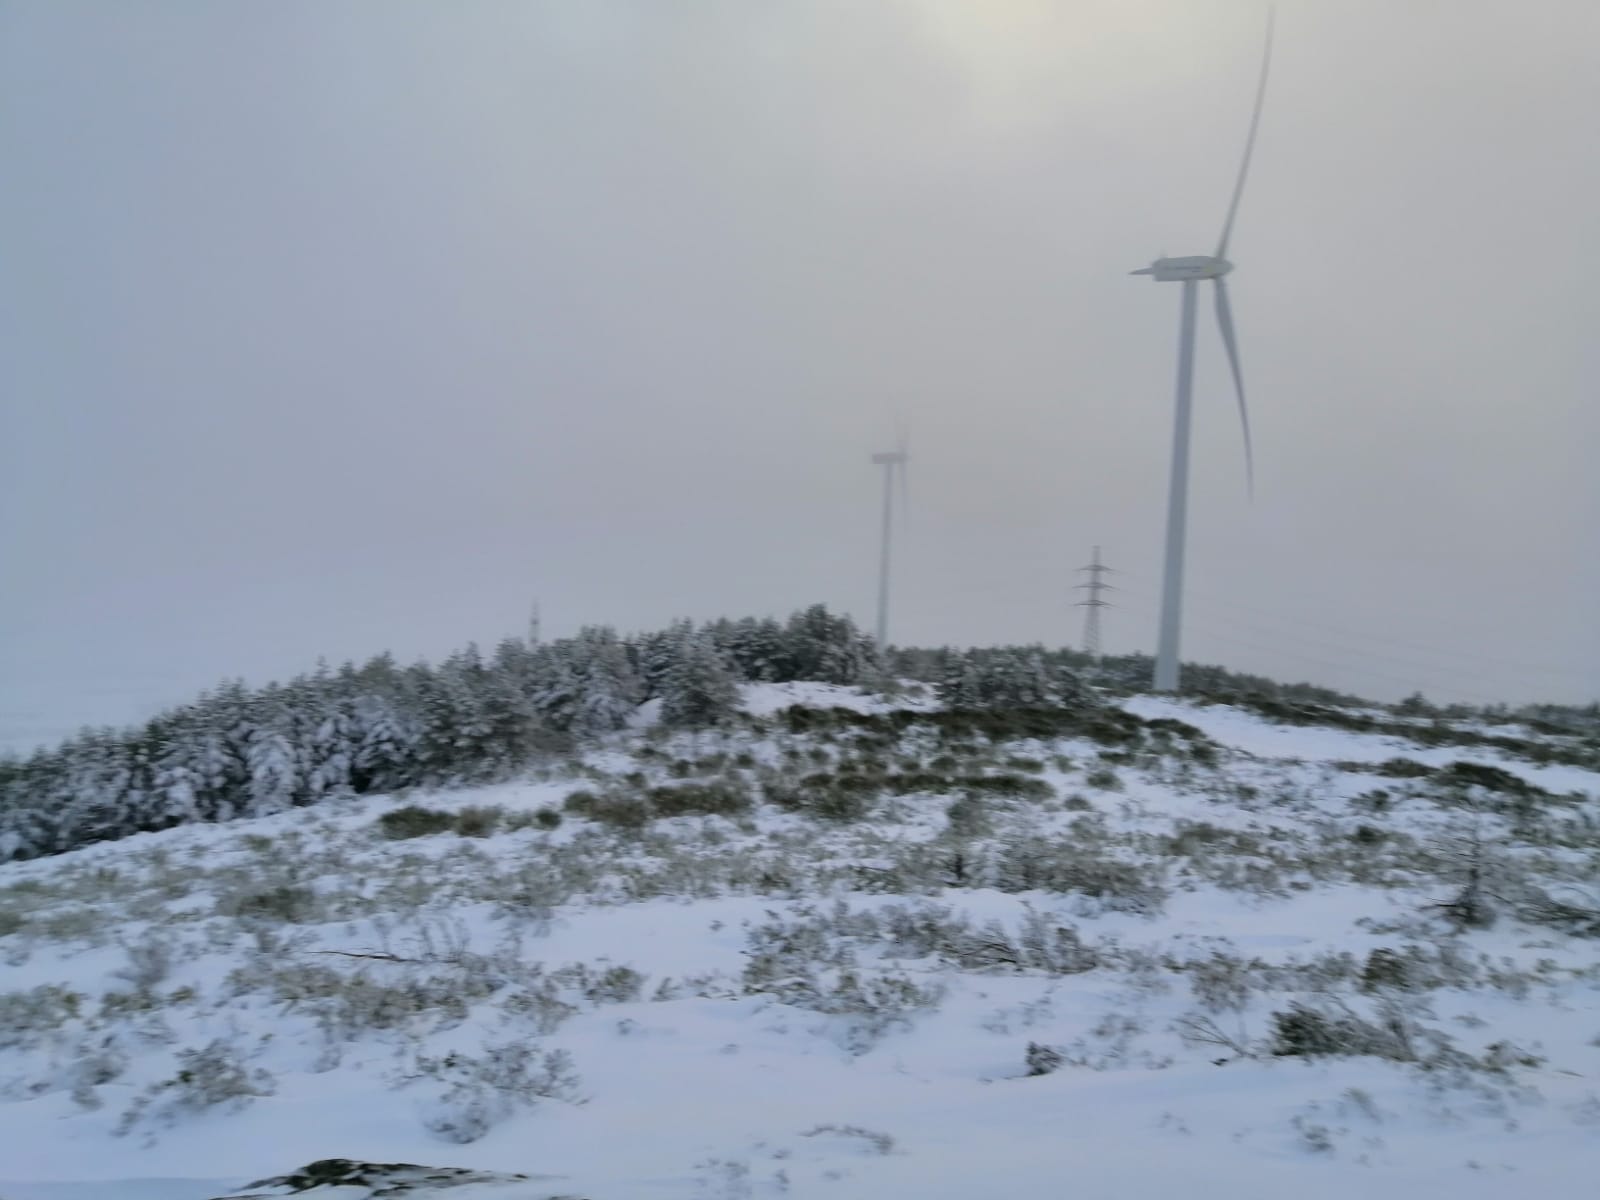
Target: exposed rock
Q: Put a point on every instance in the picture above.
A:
(353, 1180)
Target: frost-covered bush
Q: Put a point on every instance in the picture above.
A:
(619, 809)
(149, 962)
(874, 1002)
(1332, 1029)
(215, 1076)
(1041, 1059)
(26, 1016)
(1103, 778)
(614, 985)
(482, 1090)
(290, 903)
(414, 821)
(1220, 983)
(95, 1062)
(1068, 865)
(721, 797)
(878, 1141)
(478, 820)
(967, 817)
(1573, 910)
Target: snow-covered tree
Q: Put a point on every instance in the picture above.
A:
(608, 689)
(698, 688)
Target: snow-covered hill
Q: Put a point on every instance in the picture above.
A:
(855, 948)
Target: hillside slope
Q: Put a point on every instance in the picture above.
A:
(846, 948)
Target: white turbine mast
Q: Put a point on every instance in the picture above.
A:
(892, 462)
(1189, 271)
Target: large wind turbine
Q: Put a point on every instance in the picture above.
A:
(891, 462)
(1190, 271)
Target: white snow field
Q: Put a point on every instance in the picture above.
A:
(1229, 956)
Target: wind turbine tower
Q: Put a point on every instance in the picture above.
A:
(892, 461)
(1189, 271)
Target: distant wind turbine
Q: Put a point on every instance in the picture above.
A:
(1189, 271)
(892, 461)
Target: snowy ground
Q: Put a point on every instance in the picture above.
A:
(839, 1003)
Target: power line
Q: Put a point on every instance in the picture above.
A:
(1254, 625)
(1462, 660)
(1344, 668)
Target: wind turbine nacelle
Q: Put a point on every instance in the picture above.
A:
(1193, 266)
(895, 457)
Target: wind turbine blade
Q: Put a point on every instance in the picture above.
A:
(1225, 323)
(1249, 142)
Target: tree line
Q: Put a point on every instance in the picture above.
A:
(248, 752)
(239, 751)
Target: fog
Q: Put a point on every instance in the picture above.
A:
(329, 329)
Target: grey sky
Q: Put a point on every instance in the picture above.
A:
(334, 327)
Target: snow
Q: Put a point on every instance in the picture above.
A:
(712, 1092)
(764, 699)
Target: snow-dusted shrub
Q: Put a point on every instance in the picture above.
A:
(483, 1090)
(149, 962)
(1110, 1045)
(1068, 865)
(539, 1002)
(811, 964)
(291, 903)
(1005, 784)
(966, 817)
(843, 797)
(1385, 969)
(619, 809)
(478, 820)
(1041, 1059)
(414, 821)
(1221, 983)
(1333, 1029)
(96, 1062)
(528, 893)
(614, 985)
(1040, 944)
(1103, 778)
(724, 1179)
(878, 1141)
(721, 797)
(214, 1076)
(27, 1016)
(1574, 911)
(1202, 1029)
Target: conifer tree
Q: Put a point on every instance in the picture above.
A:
(699, 689)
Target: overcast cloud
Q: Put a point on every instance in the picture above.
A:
(327, 328)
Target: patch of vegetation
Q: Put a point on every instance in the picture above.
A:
(621, 810)
(290, 903)
(721, 798)
(1017, 787)
(478, 820)
(415, 821)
